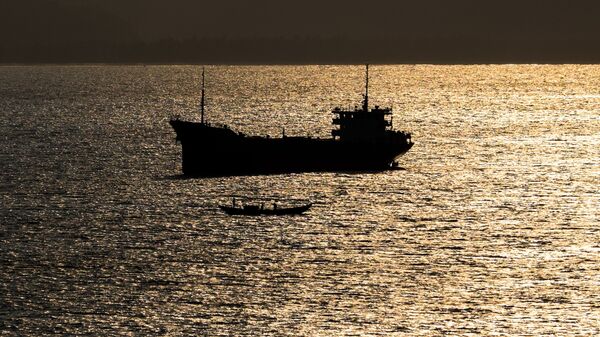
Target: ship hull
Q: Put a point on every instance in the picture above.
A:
(212, 151)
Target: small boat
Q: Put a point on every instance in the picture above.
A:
(261, 210)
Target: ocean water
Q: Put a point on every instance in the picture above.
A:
(491, 229)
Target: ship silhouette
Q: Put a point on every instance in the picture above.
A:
(363, 140)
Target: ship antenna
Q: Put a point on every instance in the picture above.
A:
(366, 101)
(202, 99)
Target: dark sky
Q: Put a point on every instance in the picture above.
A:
(152, 19)
(71, 21)
(370, 18)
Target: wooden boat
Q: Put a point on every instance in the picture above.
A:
(261, 210)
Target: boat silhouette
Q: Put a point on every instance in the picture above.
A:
(363, 140)
(261, 210)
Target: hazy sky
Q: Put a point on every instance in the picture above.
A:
(385, 31)
(152, 19)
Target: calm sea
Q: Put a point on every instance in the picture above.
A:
(492, 228)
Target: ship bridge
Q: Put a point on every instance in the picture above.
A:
(361, 124)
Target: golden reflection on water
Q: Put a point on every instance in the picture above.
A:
(491, 229)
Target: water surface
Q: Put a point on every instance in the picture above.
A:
(491, 229)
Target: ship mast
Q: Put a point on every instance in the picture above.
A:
(202, 100)
(366, 100)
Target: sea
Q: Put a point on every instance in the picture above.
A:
(491, 226)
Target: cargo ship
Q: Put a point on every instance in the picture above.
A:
(363, 139)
